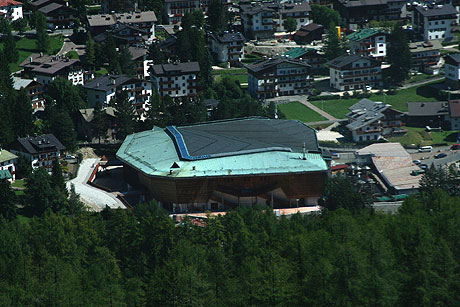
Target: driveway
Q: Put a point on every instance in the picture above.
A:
(96, 199)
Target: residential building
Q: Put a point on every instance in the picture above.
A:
(174, 10)
(373, 120)
(393, 165)
(176, 79)
(308, 33)
(101, 90)
(10, 10)
(452, 70)
(422, 114)
(435, 22)
(426, 56)
(46, 68)
(454, 114)
(139, 56)
(280, 76)
(58, 16)
(7, 165)
(354, 72)
(34, 89)
(261, 20)
(85, 125)
(42, 151)
(228, 47)
(134, 24)
(368, 42)
(124, 34)
(222, 164)
(309, 55)
(360, 12)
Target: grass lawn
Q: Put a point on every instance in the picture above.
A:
(296, 110)
(27, 46)
(420, 137)
(72, 55)
(101, 72)
(20, 183)
(420, 77)
(240, 74)
(339, 107)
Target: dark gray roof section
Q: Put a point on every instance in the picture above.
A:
(427, 108)
(268, 63)
(44, 142)
(137, 52)
(346, 60)
(189, 67)
(454, 57)
(228, 37)
(357, 3)
(311, 27)
(53, 7)
(439, 10)
(255, 8)
(108, 82)
(247, 134)
(364, 113)
(40, 3)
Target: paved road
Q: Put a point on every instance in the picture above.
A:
(428, 158)
(95, 198)
(420, 83)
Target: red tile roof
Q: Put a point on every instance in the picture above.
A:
(4, 3)
(338, 167)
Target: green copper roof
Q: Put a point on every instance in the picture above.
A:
(153, 152)
(364, 34)
(5, 174)
(297, 52)
(5, 155)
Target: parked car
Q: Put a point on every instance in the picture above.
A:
(425, 149)
(455, 147)
(423, 166)
(70, 157)
(441, 155)
(417, 162)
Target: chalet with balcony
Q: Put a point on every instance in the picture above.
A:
(139, 56)
(452, 70)
(103, 89)
(426, 56)
(58, 15)
(369, 42)
(261, 20)
(10, 10)
(176, 79)
(434, 22)
(309, 55)
(308, 33)
(354, 72)
(174, 10)
(42, 151)
(360, 12)
(228, 47)
(46, 68)
(34, 89)
(129, 27)
(422, 114)
(280, 76)
(370, 120)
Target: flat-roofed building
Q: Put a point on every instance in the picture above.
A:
(176, 79)
(222, 164)
(426, 56)
(280, 76)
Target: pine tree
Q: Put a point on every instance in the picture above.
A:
(127, 64)
(7, 200)
(333, 46)
(57, 179)
(155, 54)
(90, 52)
(22, 117)
(399, 55)
(290, 24)
(125, 115)
(217, 16)
(11, 53)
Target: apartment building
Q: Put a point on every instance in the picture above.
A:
(139, 56)
(102, 90)
(360, 12)
(368, 42)
(426, 56)
(435, 22)
(10, 10)
(42, 151)
(46, 68)
(261, 20)
(354, 72)
(228, 47)
(280, 76)
(176, 79)
(174, 10)
(372, 120)
(132, 24)
(59, 15)
(452, 70)
(308, 55)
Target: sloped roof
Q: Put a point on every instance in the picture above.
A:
(425, 46)
(345, 60)
(364, 113)
(4, 3)
(5, 155)
(268, 63)
(439, 10)
(33, 145)
(188, 67)
(228, 37)
(5, 174)
(364, 34)
(108, 82)
(88, 114)
(434, 108)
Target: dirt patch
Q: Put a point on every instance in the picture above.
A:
(88, 153)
